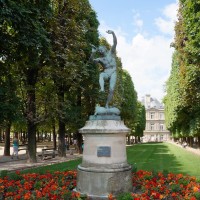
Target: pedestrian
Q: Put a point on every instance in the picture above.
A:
(75, 145)
(15, 147)
(82, 146)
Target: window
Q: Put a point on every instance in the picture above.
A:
(161, 137)
(152, 114)
(161, 127)
(152, 127)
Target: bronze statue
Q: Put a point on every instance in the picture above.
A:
(108, 62)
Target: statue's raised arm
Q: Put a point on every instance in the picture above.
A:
(113, 49)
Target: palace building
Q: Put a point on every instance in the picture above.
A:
(155, 130)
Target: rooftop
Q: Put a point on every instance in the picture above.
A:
(150, 102)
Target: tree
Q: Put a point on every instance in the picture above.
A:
(140, 121)
(9, 104)
(129, 103)
(184, 80)
(23, 26)
(73, 29)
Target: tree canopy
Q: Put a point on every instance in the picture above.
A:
(182, 101)
(46, 79)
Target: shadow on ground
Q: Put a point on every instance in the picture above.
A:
(163, 156)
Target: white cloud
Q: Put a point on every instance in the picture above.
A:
(166, 23)
(147, 59)
(137, 21)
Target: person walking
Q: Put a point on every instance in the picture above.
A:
(15, 147)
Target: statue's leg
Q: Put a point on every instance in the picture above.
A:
(110, 95)
(113, 79)
(101, 81)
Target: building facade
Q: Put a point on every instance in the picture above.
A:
(155, 130)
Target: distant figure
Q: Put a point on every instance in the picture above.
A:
(15, 147)
(82, 146)
(184, 144)
(75, 145)
(66, 144)
(108, 62)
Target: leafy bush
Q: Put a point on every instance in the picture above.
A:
(125, 196)
(3, 173)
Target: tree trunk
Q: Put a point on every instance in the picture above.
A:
(61, 126)
(191, 141)
(70, 139)
(54, 137)
(38, 136)
(31, 115)
(32, 143)
(128, 141)
(7, 141)
(188, 141)
(61, 139)
(198, 141)
(1, 137)
(79, 142)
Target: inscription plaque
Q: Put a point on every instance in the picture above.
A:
(103, 151)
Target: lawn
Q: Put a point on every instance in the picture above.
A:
(57, 181)
(164, 156)
(149, 156)
(65, 166)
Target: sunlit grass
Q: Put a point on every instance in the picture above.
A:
(69, 165)
(164, 156)
(150, 157)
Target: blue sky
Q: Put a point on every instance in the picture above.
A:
(144, 31)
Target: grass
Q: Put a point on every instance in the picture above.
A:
(149, 156)
(164, 156)
(70, 165)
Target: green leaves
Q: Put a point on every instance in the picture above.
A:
(182, 102)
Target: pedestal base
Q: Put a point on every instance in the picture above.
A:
(104, 169)
(98, 183)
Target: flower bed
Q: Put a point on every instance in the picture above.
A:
(166, 186)
(60, 185)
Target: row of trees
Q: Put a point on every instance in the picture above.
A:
(182, 102)
(46, 81)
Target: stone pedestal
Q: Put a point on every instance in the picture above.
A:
(104, 167)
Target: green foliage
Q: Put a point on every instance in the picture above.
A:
(134, 168)
(129, 103)
(46, 78)
(14, 176)
(44, 48)
(73, 30)
(165, 172)
(3, 173)
(9, 102)
(197, 195)
(175, 187)
(182, 102)
(140, 120)
(183, 182)
(124, 196)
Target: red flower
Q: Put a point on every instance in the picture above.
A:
(110, 197)
(193, 198)
(27, 195)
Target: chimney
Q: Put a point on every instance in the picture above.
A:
(147, 99)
